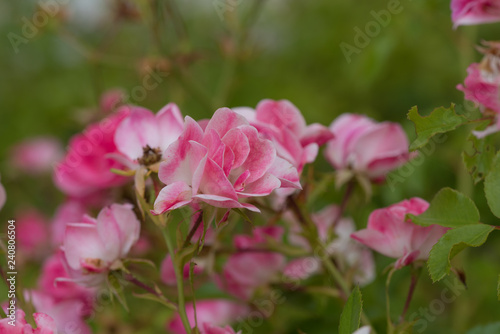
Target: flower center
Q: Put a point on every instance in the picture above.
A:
(150, 156)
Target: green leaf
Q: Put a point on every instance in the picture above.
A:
(351, 315)
(448, 208)
(117, 289)
(441, 120)
(493, 328)
(478, 157)
(492, 186)
(452, 243)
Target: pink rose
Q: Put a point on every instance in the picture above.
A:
(36, 155)
(143, 136)
(281, 122)
(389, 233)
(68, 315)
(220, 165)
(68, 212)
(245, 271)
(50, 282)
(469, 12)
(44, 324)
(366, 147)
(86, 168)
(482, 86)
(213, 312)
(93, 246)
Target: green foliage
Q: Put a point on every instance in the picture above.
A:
(351, 315)
(441, 120)
(492, 186)
(478, 157)
(449, 208)
(452, 243)
(493, 328)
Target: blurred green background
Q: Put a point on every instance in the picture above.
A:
(214, 53)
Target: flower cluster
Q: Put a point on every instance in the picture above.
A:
(240, 160)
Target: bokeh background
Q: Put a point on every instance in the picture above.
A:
(214, 53)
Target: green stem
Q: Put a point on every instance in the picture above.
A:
(180, 283)
(390, 326)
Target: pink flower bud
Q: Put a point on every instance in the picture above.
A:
(36, 155)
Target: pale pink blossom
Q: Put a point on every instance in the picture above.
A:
(32, 232)
(61, 290)
(220, 165)
(143, 136)
(247, 270)
(363, 330)
(281, 122)
(94, 246)
(68, 315)
(367, 147)
(86, 168)
(36, 155)
(470, 12)
(44, 323)
(70, 211)
(215, 312)
(482, 86)
(391, 234)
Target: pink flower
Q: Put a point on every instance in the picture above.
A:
(92, 247)
(68, 212)
(389, 233)
(469, 12)
(211, 329)
(36, 155)
(32, 232)
(212, 312)
(60, 290)
(68, 315)
(44, 324)
(245, 271)
(220, 165)
(367, 147)
(86, 168)
(143, 136)
(482, 86)
(281, 122)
